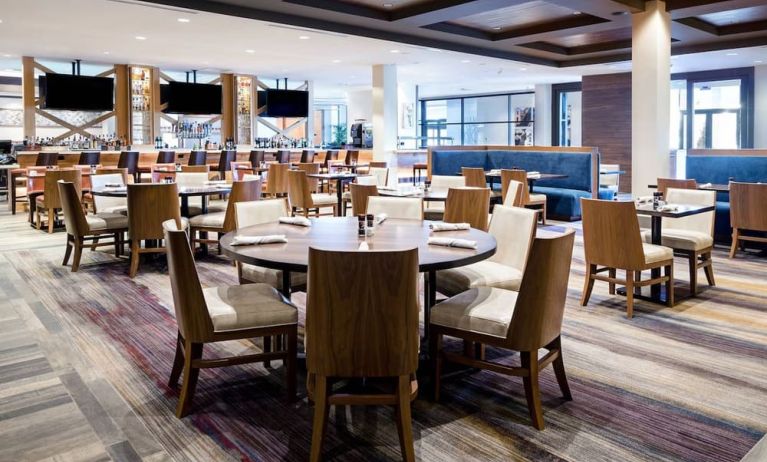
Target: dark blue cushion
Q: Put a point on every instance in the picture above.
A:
(722, 228)
(562, 204)
(607, 194)
(450, 162)
(576, 166)
(719, 169)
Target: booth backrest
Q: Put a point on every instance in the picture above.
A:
(719, 169)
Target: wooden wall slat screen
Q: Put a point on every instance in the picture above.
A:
(606, 116)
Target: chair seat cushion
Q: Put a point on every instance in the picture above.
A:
(324, 199)
(347, 196)
(217, 206)
(208, 220)
(21, 192)
(484, 273)
(248, 306)
(682, 239)
(655, 253)
(121, 209)
(270, 276)
(537, 198)
(483, 310)
(106, 221)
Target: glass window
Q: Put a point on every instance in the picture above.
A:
(486, 109)
(493, 133)
(569, 118)
(445, 110)
(723, 94)
(678, 115)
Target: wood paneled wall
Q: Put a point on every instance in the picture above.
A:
(606, 118)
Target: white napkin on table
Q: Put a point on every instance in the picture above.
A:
(298, 221)
(705, 185)
(214, 182)
(668, 208)
(450, 242)
(533, 174)
(381, 217)
(449, 226)
(258, 240)
(644, 199)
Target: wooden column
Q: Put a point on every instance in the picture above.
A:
(156, 106)
(28, 96)
(228, 108)
(123, 102)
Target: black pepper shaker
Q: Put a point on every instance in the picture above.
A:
(361, 225)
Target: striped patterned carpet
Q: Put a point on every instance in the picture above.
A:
(683, 383)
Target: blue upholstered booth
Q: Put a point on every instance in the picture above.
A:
(718, 169)
(563, 195)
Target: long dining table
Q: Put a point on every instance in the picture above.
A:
(184, 192)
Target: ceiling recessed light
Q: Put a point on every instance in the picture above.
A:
(183, 20)
(6, 55)
(303, 37)
(393, 51)
(336, 61)
(140, 37)
(619, 13)
(497, 28)
(106, 52)
(576, 12)
(758, 61)
(465, 61)
(250, 51)
(388, 5)
(732, 53)
(522, 68)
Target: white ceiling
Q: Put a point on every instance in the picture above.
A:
(105, 31)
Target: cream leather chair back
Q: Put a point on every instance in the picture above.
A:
(406, 208)
(105, 204)
(258, 212)
(701, 222)
(514, 231)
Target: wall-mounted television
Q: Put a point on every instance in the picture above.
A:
(287, 103)
(76, 92)
(193, 98)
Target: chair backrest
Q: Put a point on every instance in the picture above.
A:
(166, 157)
(515, 175)
(283, 156)
(100, 180)
(242, 191)
(352, 156)
(310, 168)
(514, 230)
(403, 208)
(748, 208)
(129, 160)
(611, 234)
(366, 180)
(330, 156)
(474, 177)
(611, 179)
(225, 160)
(537, 318)
(191, 179)
(378, 164)
(445, 182)
(381, 175)
(277, 178)
(149, 205)
(198, 158)
(307, 156)
(36, 179)
(360, 194)
(240, 169)
(513, 194)
(701, 222)
(46, 159)
(256, 157)
(359, 324)
(161, 171)
(51, 198)
(468, 205)
(74, 216)
(123, 172)
(298, 190)
(192, 316)
(260, 212)
(89, 158)
(665, 183)
(196, 168)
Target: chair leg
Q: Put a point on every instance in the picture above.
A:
(68, 252)
(94, 243)
(532, 391)
(51, 220)
(709, 268)
(735, 238)
(290, 364)
(692, 261)
(178, 362)
(588, 283)
(134, 257)
(543, 214)
(267, 349)
(435, 348)
(78, 253)
(669, 270)
(559, 368)
(38, 219)
(116, 238)
(405, 424)
(629, 294)
(320, 417)
(192, 351)
(611, 273)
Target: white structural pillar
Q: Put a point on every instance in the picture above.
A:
(650, 96)
(384, 111)
(760, 104)
(310, 132)
(542, 115)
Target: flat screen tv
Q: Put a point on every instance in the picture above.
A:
(77, 92)
(193, 98)
(287, 103)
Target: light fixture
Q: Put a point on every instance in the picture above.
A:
(758, 61)
(140, 37)
(185, 20)
(732, 53)
(6, 55)
(522, 68)
(388, 5)
(393, 51)
(465, 61)
(106, 52)
(619, 13)
(497, 28)
(303, 37)
(336, 61)
(250, 51)
(576, 12)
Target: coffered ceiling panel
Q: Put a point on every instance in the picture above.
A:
(525, 14)
(386, 4)
(743, 15)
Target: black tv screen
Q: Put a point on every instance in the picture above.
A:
(287, 103)
(77, 92)
(193, 98)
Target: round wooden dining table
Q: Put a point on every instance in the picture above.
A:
(340, 233)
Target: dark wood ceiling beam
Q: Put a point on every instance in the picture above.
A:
(581, 49)
(743, 28)
(458, 29)
(558, 25)
(346, 8)
(602, 8)
(602, 59)
(548, 47)
(437, 11)
(699, 24)
(687, 8)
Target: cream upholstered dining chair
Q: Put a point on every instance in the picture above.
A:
(665, 183)
(381, 174)
(49, 204)
(198, 180)
(358, 328)
(435, 210)
(359, 197)
(311, 169)
(512, 194)
(527, 199)
(223, 222)
(693, 236)
(402, 208)
(107, 204)
(612, 240)
(302, 199)
(524, 321)
(468, 205)
(240, 169)
(218, 314)
(748, 212)
(514, 230)
(346, 197)
(257, 213)
(82, 227)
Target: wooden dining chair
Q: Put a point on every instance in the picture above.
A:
(536, 201)
(195, 168)
(352, 156)
(381, 175)
(401, 208)
(47, 159)
(612, 240)
(435, 210)
(223, 222)
(89, 158)
(166, 157)
(123, 172)
(277, 180)
(159, 172)
(359, 197)
(106, 204)
(197, 158)
(218, 314)
(514, 229)
(523, 321)
(512, 194)
(301, 198)
(690, 237)
(346, 197)
(468, 205)
(310, 169)
(748, 212)
(331, 156)
(256, 157)
(240, 169)
(48, 204)
(129, 160)
(307, 156)
(665, 183)
(225, 160)
(474, 177)
(378, 164)
(282, 156)
(81, 227)
(149, 205)
(357, 327)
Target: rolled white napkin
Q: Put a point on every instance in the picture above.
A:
(258, 240)
(298, 221)
(705, 185)
(114, 185)
(381, 217)
(495, 171)
(668, 208)
(215, 182)
(643, 199)
(449, 226)
(450, 242)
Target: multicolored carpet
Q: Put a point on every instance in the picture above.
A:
(683, 383)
